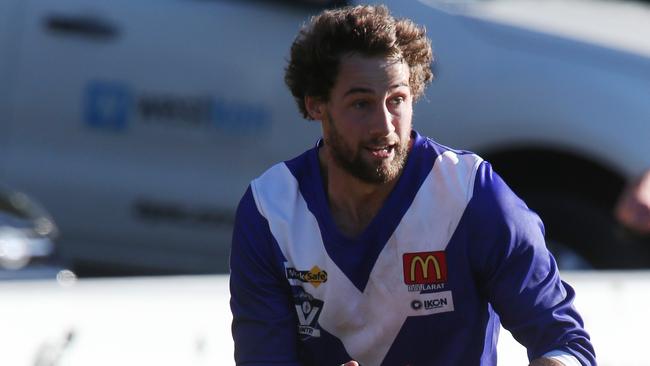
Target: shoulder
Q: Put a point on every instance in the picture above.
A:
(452, 169)
(493, 197)
(445, 156)
(490, 201)
(432, 145)
(279, 186)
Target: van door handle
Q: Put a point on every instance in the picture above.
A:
(83, 26)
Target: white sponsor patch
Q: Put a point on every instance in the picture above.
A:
(437, 302)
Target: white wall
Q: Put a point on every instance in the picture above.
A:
(186, 321)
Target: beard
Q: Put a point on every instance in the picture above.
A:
(366, 171)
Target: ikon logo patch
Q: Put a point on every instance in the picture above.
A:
(439, 302)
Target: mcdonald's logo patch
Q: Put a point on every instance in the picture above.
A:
(425, 268)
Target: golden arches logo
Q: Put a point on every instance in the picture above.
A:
(424, 265)
(425, 268)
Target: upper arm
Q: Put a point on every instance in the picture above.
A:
(264, 321)
(519, 276)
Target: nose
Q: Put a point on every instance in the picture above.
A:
(382, 122)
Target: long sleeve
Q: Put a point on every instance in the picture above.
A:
(519, 276)
(264, 318)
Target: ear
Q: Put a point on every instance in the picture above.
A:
(315, 107)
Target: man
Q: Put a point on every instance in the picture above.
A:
(633, 207)
(379, 246)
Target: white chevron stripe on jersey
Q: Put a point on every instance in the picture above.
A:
(293, 226)
(367, 322)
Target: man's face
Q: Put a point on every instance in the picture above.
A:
(367, 121)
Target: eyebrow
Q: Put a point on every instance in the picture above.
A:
(370, 91)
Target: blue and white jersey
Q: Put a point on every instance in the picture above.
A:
(451, 255)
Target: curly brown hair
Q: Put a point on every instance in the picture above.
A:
(366, 30)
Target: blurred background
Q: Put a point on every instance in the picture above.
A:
(129, 130)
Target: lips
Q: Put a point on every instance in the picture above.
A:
(381, 151)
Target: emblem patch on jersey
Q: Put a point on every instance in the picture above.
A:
(425, 271)
(308, 309)
(315, 275)
(438, 302)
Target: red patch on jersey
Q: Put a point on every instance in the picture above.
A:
(425, 268)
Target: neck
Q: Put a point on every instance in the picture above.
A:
(353, 202)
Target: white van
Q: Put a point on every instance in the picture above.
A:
(139, 124)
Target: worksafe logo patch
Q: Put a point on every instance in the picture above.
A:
(315, 276)
(425, 270)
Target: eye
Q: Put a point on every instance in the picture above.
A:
(360, 104)
(397, 100)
